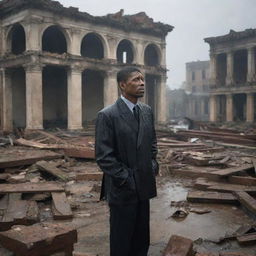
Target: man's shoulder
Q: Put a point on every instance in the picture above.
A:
(109, 110)
(145, 107)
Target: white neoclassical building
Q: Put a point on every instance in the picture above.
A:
(58, 65)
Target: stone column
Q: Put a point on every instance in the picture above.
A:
(161, 101)
(213, 69)
(6, 100)
(110, 88)
(33, 39)
(230, 68)
(249, 107)
(34, 97)
(250, 65)
(229, 108)
(76, 41)
(163, 55)
(75, 98)
(112, 44)
(139, 58)
(213, 108)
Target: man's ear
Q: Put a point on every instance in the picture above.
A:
(122, 85)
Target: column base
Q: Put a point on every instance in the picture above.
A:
(75, 127)
(34, 128)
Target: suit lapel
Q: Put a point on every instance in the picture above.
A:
(141, 126)
(127, 115)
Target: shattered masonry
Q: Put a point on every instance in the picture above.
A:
(58, 65)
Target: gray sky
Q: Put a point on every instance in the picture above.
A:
(193, 21)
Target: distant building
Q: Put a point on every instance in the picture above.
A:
(233, 76)
(197, 88)
(177, 102)
(58, 65)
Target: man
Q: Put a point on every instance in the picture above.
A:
(126, 153)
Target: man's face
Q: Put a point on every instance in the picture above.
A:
(133, 88)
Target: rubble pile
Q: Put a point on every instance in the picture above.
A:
(223, 164)
(45, 177)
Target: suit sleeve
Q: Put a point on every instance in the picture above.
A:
(105, 151)
(154, 150)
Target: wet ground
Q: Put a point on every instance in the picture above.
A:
(91, 220)
(221, 220)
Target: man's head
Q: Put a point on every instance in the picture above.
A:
(131, 82)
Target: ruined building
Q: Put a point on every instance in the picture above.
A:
(197, 88)
(58, 65)
(232, 76)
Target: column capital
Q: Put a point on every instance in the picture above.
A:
(76, 68)
(33, 67)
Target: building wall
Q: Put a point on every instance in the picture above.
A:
(197, 88)
(235, 55)
(38, 39)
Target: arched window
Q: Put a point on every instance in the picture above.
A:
(92, 47)
(54, 40)
(18, 39)
(125, 52)
(151, 56)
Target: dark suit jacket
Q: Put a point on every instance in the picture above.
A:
(126, 153)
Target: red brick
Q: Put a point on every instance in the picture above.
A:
(179, 246)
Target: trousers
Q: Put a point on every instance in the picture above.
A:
(129, 229)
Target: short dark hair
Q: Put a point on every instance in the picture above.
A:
(124, 73)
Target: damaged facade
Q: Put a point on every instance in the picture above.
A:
(232, 76)
(58, 65)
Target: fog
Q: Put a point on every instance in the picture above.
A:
(193, 20)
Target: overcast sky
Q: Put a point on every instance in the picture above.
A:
(193, 20)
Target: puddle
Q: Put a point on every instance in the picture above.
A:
(221, 220)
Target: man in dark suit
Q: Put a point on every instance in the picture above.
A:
(126, 152)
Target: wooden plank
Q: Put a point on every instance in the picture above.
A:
(231, 171)
(232, 187)
(204, 184)
(30, 187)
(211, 197)
(87, 153)
(13, 158)
(247, 201)
(61, 207)
(254, 164)
(242, 180)
(49, 168)
(247, 238)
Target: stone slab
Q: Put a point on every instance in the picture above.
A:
(39, 239)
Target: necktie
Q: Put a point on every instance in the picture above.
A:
(136, 113)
